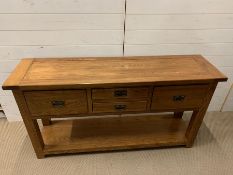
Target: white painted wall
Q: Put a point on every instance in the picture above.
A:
(51, 28)
(204, 27)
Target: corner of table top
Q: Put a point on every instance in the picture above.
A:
(217, 75)
(14, 79)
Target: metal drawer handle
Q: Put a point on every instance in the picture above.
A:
(120, 107)
(58, 103)
(120, 93)
(178, 98)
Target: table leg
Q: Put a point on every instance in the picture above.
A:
(31, 124)
(46, 122)
(197, 117)
(178, 114)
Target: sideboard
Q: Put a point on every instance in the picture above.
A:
(111, 103)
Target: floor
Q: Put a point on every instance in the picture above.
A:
(211, 154)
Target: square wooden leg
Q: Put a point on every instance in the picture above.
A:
(193, 128)
(46, 122)
(31, 125)
(178, 114)
(197, 118)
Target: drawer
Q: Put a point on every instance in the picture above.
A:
(119, 106)
(116, 93)
(175, 97)
(56, 102)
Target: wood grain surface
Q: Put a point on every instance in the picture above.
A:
(114, 107)
(112, 133)
(41, 102)
(17, 75)
(193, 97)
(80, 72)
(53, 88)
(115, 93)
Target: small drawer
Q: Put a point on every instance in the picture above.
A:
(115, 107)
(176, 97)
(116, 93)
(56, 102)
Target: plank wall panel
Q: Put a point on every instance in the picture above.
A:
(62, 6)
(178, 6)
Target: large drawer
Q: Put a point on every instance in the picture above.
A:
(56, 102)
(116, 93)
(119, 107)
(176, 97)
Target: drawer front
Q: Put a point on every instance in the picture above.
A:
(175, 97)
(56, 102)
(119, 107)
(116, 93)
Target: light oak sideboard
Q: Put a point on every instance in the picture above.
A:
(110, 103)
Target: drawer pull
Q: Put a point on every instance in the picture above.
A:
(178, 98)
(120, 93)
(58, 104)
(120, 107)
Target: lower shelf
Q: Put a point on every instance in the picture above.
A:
(113, 133)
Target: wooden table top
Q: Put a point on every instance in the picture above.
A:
(82, 72)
